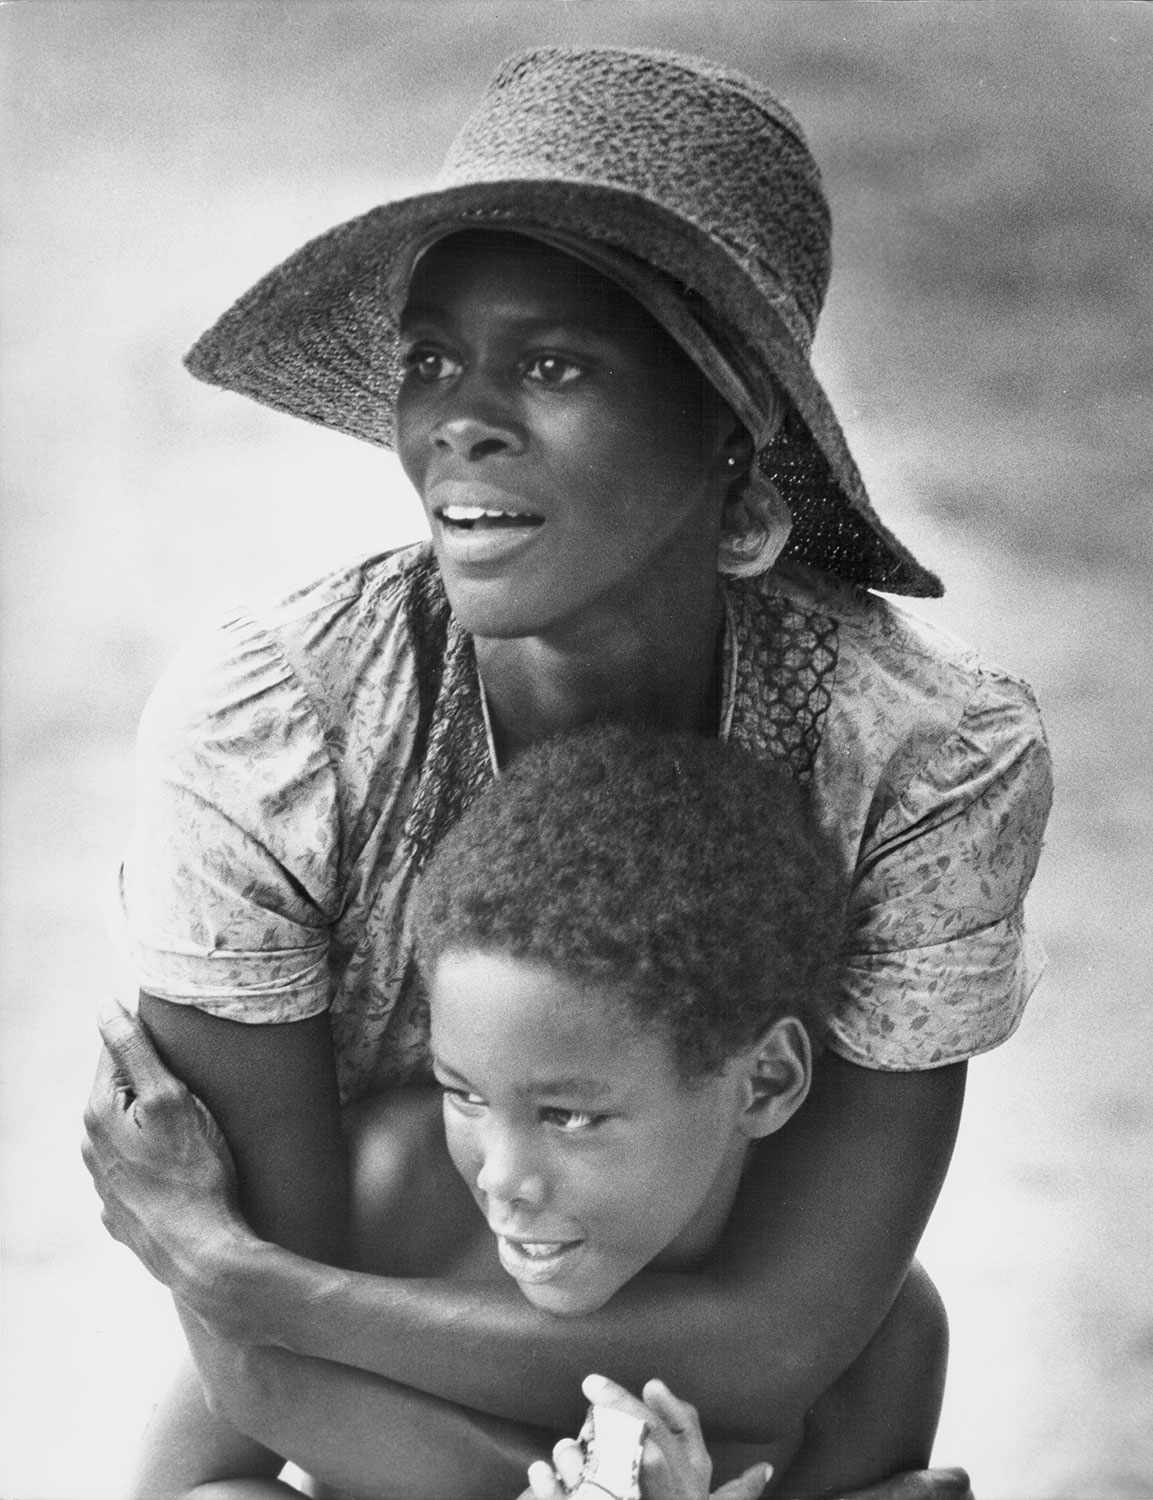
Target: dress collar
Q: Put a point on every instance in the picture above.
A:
(778, 665)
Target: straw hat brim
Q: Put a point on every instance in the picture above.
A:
(317, 338)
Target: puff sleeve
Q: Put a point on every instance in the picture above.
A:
(939, 966)
(230, 884)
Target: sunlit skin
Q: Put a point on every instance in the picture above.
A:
(587, 1152)
(573, 465)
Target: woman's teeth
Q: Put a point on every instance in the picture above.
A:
(470, 515)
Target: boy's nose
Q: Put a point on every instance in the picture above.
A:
(509, 1173)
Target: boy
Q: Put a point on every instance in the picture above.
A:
(630, 944)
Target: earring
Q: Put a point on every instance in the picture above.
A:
(755, 527)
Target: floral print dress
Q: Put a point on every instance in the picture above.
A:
(297, 765)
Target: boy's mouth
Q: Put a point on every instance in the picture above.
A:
(535, 1260)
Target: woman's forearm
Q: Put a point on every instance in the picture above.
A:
(821, 1238)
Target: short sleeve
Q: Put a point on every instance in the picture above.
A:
(939, 965)
(229, 886)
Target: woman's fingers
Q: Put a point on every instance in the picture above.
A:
(157, 1159)
(135, 1061)
(106, 1091)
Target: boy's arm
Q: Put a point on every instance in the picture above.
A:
(369, 1437)
(820, 1242)
(190, 1454)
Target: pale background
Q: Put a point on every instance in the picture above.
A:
(987, 342)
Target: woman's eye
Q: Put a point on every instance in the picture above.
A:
(430, 365)
(571, 1120)
(552, 369)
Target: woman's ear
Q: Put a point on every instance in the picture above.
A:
(734, 454)
(734, 446)
(778, 1073)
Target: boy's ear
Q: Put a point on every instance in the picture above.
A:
(778, 1073)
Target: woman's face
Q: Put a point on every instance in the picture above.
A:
(567, 452)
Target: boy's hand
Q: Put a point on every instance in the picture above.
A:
(160, 1164)
(675, 1464)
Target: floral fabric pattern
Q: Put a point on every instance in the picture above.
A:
(297, 766)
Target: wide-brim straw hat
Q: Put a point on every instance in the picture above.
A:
(692, 169)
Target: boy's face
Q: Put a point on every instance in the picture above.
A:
(562, 444)
(588, 1155)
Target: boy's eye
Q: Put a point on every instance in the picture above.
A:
(461, 1098)
(571, 1120)
(430, 365)
(553, 369)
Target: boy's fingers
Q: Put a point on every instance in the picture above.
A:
(918, 1484)
(746, 1486)
(543, 1483)
(136, 1064)
(604, 1392)
(568, 1459)
(680, 1417)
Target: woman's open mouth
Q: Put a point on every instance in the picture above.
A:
(479, 525)
(478, 517)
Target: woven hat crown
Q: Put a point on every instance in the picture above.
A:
(714, 149)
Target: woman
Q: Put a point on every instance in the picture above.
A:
(592, 340)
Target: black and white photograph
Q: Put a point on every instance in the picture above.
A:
(575, 796)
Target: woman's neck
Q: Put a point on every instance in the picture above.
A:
(641, 663)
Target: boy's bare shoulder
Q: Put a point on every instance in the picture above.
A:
(412, 1213)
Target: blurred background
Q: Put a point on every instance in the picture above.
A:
(987, 342)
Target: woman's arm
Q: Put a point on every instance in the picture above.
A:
(272, 1090)
(821, 1239)
(273, 1087)
(819, 1244)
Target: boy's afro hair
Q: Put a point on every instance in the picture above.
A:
(679, 868)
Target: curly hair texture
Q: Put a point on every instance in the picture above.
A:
(678, 868)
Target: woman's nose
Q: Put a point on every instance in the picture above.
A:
(510, 1171)
(478, 428)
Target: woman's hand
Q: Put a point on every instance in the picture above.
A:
(674, 1462)
(161, 1166)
